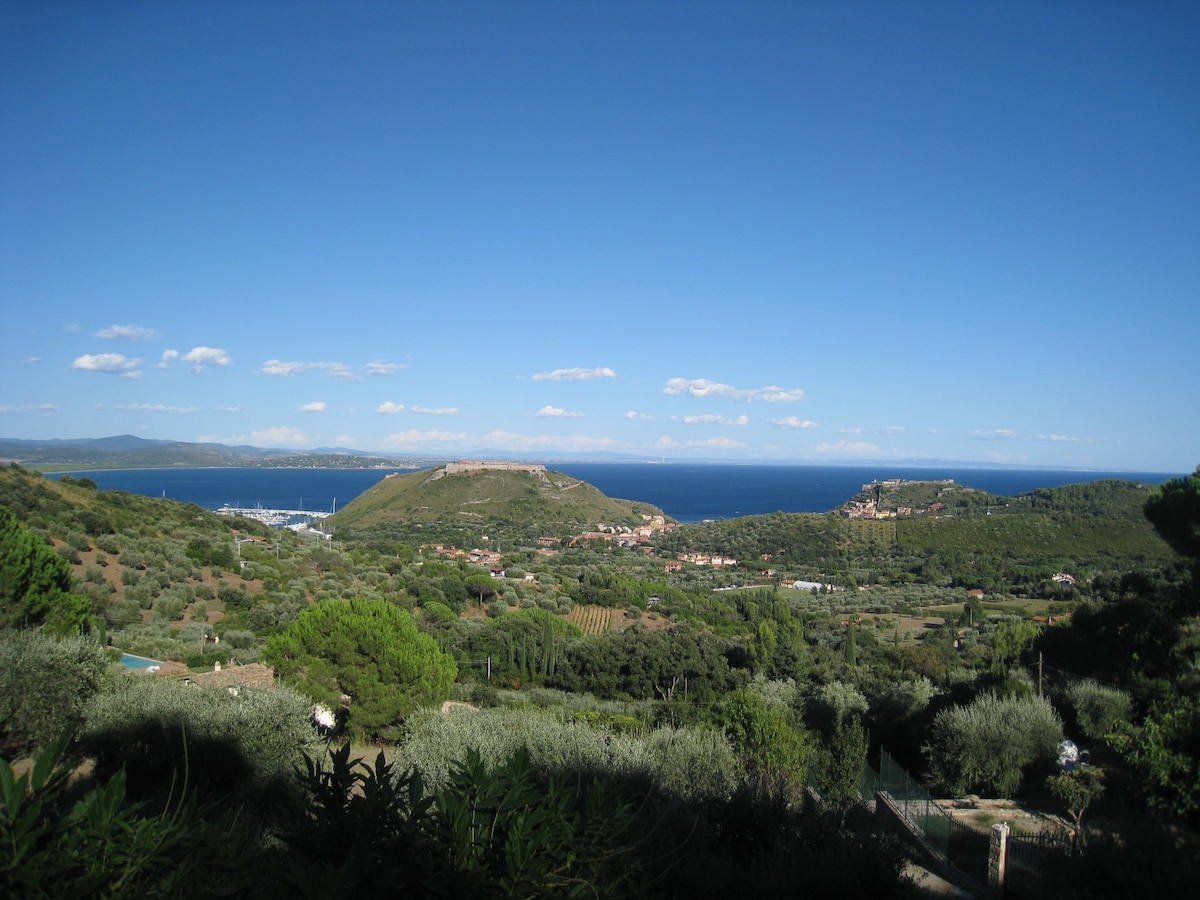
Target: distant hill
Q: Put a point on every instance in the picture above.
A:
(482, 493)
(125, 452)
(130, 452)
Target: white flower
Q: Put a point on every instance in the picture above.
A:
(323, 716)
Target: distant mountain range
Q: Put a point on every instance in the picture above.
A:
(127, 451)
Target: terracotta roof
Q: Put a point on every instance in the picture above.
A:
(255, 675)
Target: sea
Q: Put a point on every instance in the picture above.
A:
(684, 491)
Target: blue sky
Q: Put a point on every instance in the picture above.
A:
(733, 231)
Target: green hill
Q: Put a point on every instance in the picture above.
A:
(491, 493)
(977, 539)
(1094, 521)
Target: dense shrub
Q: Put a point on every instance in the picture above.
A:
(215, 739)
(769, 740)
(1098, 709)
(833, 703)
(55, 842)
(991, 743)
(685, 763)
(1164, 753)
(45, 686)
(507, 828)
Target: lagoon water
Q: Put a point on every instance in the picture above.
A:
(688, 492)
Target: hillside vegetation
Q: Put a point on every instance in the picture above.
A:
(533, 499)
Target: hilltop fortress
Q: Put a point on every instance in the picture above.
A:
(469, 467)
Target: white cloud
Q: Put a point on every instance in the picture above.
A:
(32, 359)
(634, 414)
(389, 408)
(703, 387)
(41, 409)
(793, 422)
(109, 363)
(553, 412)
(286, 369)
(720, 443)
(1007, 434)
(713, 443)
(198, 358)
(379, 367)
(781, 395)
(884, 429)
(339, 372)
(443, 411)
(415, 438)
(576, 443)
(280, 436)
(127, 333)
(336, 370)
(155, 408)
(848, 448)
(315, 406)
(575, 374)
(710, 419)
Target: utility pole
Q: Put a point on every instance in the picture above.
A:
(1041, 660)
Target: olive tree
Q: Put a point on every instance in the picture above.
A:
(1098, 709)
(45, 686)
(990, 744)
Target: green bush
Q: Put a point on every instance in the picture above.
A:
(223, 740)
(438, 614)
(45, 686)
(505, 829)
(103, 846)
(834, 703)
(991, 743)
(770, 741)
(1098, 709)
(1164, 754)
(685, 764)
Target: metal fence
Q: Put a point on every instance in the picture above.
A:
(965, 847)
(1029, 855)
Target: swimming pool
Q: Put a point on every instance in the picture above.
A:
(140, 662)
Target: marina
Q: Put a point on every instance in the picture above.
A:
(273, 517)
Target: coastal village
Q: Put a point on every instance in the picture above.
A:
(874, 507)
(642, 537)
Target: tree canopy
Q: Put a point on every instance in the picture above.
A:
(35, 584)
(1174, 511)
(368, 650)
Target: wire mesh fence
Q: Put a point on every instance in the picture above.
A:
(1029, 856)
(964, 846)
